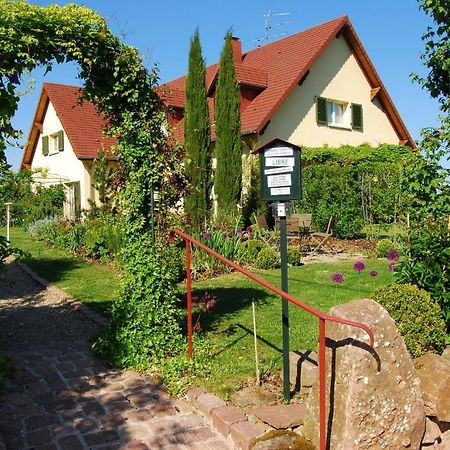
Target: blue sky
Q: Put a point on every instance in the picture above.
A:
(390, 31)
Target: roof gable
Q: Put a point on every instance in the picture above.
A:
(278, 67)
(82, 124)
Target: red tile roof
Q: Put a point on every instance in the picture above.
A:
(83, 125)
(81, 122)
(276, 68)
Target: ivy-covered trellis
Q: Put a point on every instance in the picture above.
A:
(143, 326)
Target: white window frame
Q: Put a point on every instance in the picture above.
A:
(53, 144)
(332, 107)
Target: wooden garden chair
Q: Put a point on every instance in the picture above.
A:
(322, 239)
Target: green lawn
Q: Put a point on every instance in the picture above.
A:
(229, 326)
(91, 283)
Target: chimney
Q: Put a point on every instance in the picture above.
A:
(237, 50)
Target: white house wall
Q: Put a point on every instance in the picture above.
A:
(62, 166)
(335, 75)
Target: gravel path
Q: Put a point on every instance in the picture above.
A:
(62, 397)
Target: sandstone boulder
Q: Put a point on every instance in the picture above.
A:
(375, 394)
(434, 374)
(302, 368)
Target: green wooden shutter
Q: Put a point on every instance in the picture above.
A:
(45, 145)
(357, 117)
(60, 137)
(322, 111)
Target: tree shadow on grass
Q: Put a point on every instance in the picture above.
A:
(229, 302)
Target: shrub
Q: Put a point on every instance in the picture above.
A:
(427, 262)
(266, 259)
(383, 247)
(249, 250)
(294, 255)
(416, 315)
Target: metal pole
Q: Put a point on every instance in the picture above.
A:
(8, 219)
(322, 403)
(285, 308)
(189, 297)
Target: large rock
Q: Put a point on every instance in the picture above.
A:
(434, 373)
(376, 400)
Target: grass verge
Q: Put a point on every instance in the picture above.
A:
(91, 283)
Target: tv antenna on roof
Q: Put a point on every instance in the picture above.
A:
(268, 26)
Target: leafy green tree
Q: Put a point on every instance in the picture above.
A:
(228, 174)
(197, 139)
(122, 89)
(436, 56)
(426, 181)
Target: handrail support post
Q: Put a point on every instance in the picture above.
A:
(189, 297)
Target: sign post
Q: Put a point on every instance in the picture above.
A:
(280, 183)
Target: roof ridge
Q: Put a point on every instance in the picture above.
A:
(46, 83)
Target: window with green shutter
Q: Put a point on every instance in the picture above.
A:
(321, 111)
(357, 117)
(60, 138)
(45, 145)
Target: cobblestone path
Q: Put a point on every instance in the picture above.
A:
(62, 397)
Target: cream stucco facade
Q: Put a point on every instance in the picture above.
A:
(63, 167)
(335, 75)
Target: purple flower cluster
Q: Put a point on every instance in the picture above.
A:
(373, 273)
(337, 278)
(359, 266)
(206, 235)
(392, 255)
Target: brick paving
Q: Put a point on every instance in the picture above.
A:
(61, 397)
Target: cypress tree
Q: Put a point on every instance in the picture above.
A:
(228, 174)
(197, 139)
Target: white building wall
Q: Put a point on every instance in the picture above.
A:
(61, 167)
(335, 75)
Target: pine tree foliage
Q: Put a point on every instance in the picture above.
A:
(197, 139)
(228, 174)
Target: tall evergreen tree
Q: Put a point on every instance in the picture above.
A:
(228, 174)
(197, 138)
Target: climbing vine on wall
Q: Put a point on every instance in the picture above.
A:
(117, 82)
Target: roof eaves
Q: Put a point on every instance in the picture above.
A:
(375, 81)
(34, 132)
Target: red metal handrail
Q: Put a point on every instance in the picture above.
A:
(319, 314)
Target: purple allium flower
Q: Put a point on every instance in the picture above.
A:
(373, 274)
(239, 231)
(359, 266)
(391, 266)
(392, 255)
(337, 277)
(249, 229)
(207, 235)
